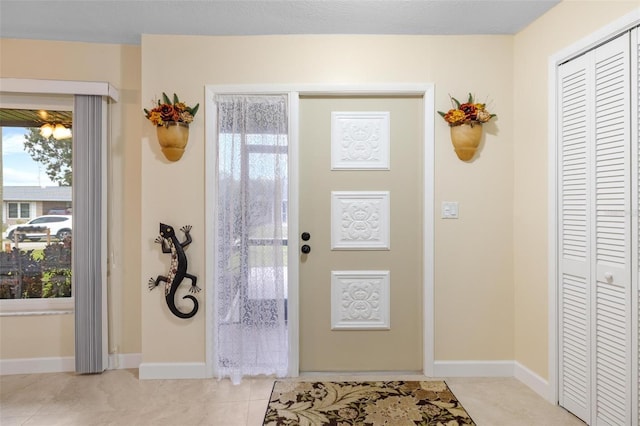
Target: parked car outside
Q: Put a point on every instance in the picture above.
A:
(59, 227)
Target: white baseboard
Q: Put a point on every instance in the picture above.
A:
(62, 364)
(197, 370)
(124, 361)
(37, 365)
(531, 379)
(172, 370)
(473, 368)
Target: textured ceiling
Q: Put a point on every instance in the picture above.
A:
(115, 21)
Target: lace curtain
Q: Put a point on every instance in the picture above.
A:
(251, 236)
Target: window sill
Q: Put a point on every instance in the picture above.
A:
(36, 307)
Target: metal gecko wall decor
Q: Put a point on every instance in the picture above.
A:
(177, 270)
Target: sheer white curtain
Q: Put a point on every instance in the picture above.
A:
(251, 236)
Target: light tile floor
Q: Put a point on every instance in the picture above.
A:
(117, 397)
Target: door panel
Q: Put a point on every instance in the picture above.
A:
(612, 239)
(574, 277)
(400, 346)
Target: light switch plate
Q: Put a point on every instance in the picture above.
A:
(449, 209)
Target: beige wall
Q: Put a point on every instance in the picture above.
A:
(474, 274)
(119, 65)
(562, 27)
(50, 336)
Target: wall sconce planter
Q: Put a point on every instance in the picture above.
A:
(466, 139)
(173, 137)
(465, 122)
(172, 119)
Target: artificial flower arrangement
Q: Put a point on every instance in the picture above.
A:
(168, 111)
(466, 113)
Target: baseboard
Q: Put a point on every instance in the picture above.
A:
(172, 370)
(531, 379)
(473, 368)
(62, 364)
(37, 365)
(197, 370)
(124, 361)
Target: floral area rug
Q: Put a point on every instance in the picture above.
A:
(397, 403)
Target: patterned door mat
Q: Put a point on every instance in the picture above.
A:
(395, 403)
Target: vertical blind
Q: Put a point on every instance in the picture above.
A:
(89, 247)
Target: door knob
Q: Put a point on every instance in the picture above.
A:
(305, 249)
(305, 236)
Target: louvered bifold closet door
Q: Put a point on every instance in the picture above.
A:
(597, 356)
(574, 224)
(611, 368)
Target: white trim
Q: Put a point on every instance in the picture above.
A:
(62, 364)
(532, 380)
(473, 368)
(635, 231)
(124, 361)
(211, 171)
(293, 309)
(27, 85)
(172, 370)
(37, 365)
(608, 32)
(324, 89)
(426, 90)
(552, 231)
(428, 240)
(43, 306)
(36, 101)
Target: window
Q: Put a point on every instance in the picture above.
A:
(89, 193)
(35, 261)
(19, 210)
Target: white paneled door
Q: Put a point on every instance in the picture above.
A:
(597, 355)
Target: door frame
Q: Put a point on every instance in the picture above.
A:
(294, 92)
(591, 41)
